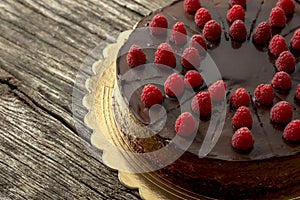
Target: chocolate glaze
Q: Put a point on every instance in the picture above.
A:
(241, 65)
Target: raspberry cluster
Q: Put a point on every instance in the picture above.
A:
(240, 99)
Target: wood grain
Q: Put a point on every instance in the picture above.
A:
(43, 45)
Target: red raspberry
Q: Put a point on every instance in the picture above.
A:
(193, 79)
(198, 42)
(174, 85)
(236, 12)
(158, 25)
(242, 139)
(217, 90)
(239, 98)
(286, 62)
(238, 30)
(282, 112)
(238, 2)
(242, 118)
(282, 81)
(165, 56)
(190, 58)
(151, 95)
(201, 104)
(202, 16)
(292, 131)
(287, 5)
(297, 32)
(178, 33)
(262, 33)
(191, 6)
(297, 93)
(185, 124)
(212, 30)
(277, 17)
(136, 56)
(264, 94)
(295, 41)
(278, 45)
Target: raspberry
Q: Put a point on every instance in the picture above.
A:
(282, 112)
(212, 30)
(264, 94)
(278, 45)
(198, 42)
(292, 131)
(158, 25)
(238, 2)
(202, 16)
(242, 139)
(136, 56)
(297, 93)
(151, 95)
(190, 58)
(178, 33)
(242, 118)
(238, 30)
(174, 85)
(236, 12)
(217, 90)
(185, 124)
(262, 33)
(282, 81)
(193, 79)
(287, 5)
(191, 6)
(286, 62)
(297, 32)
(239, 98)
(295, 41)
(277, 17)
(165, 56)
(201, 104)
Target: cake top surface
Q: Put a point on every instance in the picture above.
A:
(241, 65)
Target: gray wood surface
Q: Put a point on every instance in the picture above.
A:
(43, 44)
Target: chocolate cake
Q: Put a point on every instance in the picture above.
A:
(272, 165)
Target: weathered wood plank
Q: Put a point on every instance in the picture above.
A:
(43, 44)
(42, 157)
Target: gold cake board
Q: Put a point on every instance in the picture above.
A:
(101, 120)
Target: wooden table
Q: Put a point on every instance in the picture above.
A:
(43, 44)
